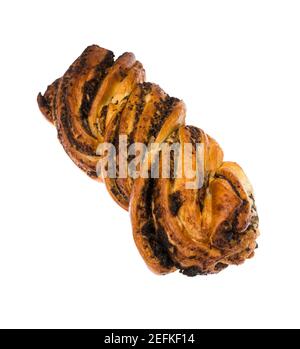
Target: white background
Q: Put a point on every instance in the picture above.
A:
(67, 258)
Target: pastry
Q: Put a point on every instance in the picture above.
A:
(197, 225)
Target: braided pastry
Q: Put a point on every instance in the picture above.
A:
(198, 230)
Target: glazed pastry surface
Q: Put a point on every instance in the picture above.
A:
(197, 225)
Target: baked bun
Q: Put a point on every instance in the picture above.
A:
(198, 222)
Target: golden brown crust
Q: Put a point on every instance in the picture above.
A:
(45, 102)
(198, 230)
(149, 116)
(71, 95)
(94, 79)
(119, 83)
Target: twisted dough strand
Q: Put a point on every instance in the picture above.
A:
(197, 231)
